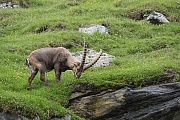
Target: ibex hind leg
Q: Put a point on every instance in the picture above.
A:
(33, 74)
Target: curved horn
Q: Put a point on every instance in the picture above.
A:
(93, 61)
(84, 56)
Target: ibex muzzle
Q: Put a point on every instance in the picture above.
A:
(59, 59)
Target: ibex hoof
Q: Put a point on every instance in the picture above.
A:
(57, 81)
(28, 88)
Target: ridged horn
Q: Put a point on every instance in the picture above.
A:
(84, 56)
(93, 61)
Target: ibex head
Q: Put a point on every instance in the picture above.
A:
(79, 67)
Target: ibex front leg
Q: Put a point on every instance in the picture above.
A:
(57, 72)
(42, 76)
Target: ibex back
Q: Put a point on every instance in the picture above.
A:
(59, 59)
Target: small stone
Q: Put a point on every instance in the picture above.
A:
(94, 28)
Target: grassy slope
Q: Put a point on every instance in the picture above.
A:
(143, 51)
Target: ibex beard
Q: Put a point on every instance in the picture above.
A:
(59, 59)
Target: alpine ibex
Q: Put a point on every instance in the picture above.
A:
(59, 59)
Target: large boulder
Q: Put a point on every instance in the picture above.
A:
(156, 18)
(104, 60)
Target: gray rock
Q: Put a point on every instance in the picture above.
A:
(3, 5)
(16, 6)
(156, 18)
(104, 60)
(9, 116)
(94, 28)
(8, 5)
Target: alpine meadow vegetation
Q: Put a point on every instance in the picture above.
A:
(143, 51)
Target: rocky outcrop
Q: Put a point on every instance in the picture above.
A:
(158, 102)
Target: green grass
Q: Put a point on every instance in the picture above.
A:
(143, 51)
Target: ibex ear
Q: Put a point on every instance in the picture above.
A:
(76, 64)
